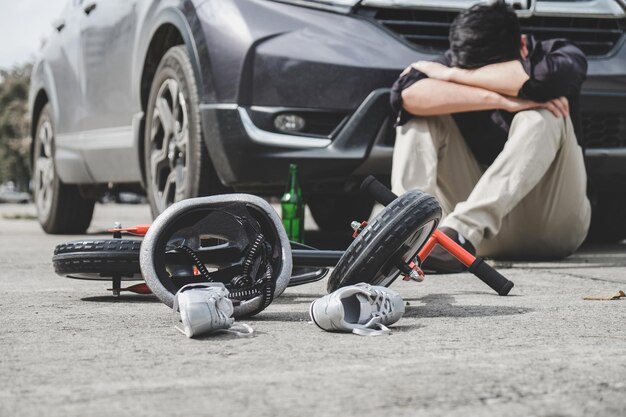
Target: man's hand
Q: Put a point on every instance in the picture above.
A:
(431, 69)
(559, 107)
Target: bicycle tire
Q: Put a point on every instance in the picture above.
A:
(98, 259)
(370, 258)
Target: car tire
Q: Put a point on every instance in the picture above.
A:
(398, 232)
(334, 213)
(61, 209)
(177, 164)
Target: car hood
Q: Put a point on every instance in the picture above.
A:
(606, 8)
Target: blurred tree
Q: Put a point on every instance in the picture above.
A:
(14, 126)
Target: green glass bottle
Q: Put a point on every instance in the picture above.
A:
(292, 207)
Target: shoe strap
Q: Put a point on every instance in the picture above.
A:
(240, 330)
(386, 309)
(382, 330)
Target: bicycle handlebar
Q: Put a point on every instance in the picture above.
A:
(378, 190)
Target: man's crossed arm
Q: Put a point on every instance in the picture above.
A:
(453, 90)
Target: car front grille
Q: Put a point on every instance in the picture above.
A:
(428, 29)
(604, 130)
(599, 130)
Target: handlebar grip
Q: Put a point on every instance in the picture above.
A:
(491, 277)
(378, 191)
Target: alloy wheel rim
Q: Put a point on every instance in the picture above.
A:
(44, 171)
(169, 140)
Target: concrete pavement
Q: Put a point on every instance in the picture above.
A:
(67, 348)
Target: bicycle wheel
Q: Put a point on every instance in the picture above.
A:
(98, 259)
(395, 235)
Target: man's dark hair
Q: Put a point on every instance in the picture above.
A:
(485, 34)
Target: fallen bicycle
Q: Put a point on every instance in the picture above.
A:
(238, 240)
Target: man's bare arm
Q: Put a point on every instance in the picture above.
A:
(505, 78)
(431, 97)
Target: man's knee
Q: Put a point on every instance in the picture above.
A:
(434, 127)
(412, 126)
(419, 124)
(550, 126)
(541, 119)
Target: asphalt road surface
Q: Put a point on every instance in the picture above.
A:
(68, 348)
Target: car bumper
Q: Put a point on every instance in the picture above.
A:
(259, 159)
(256, 159)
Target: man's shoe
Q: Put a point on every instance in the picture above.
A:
(441, 261)
(362, 309)
(205, 308)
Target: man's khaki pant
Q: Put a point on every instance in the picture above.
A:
(531, 203)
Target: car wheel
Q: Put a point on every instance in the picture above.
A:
(336, 212)
(176, 160)
(60, 207)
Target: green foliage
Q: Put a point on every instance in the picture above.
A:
(14, 126)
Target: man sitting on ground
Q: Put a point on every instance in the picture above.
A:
(486, 128)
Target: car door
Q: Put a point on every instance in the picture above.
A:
(62, 57)
(107, 37)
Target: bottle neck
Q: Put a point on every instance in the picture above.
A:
(293, 184)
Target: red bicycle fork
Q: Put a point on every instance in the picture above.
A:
(438, 237)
